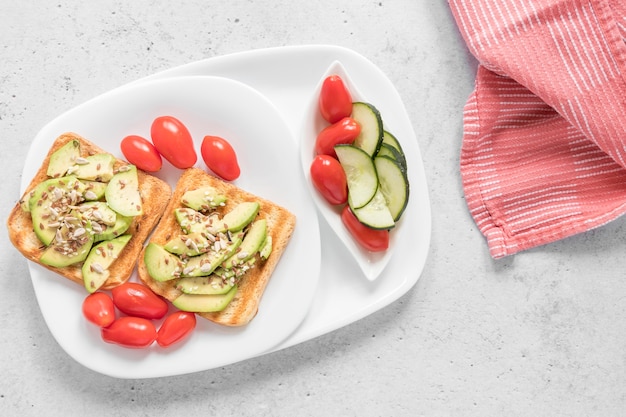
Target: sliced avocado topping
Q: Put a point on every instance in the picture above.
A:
(188, 245)
(204, 264)
(98, 167)
(204, 303)
(204, 285)
(191, 221)
(239, 217)
(63, 158)
(70, 214)
(50, 201)
(122, 192)
(47, 190)
(72, 242)
(94, 190)
(250, 246)
(96, 267)
(98, 211)
(211, 255)
(104, 232)
(266, 248)
(203, 199)
(161, 264)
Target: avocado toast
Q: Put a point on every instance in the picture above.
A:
(76, 172)
(215, 249)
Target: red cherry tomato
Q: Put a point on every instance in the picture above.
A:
(220, 157)
(130, 332)
(138, 300)
(98, 308)
(371, 239)
(140, 152)
(172, 139)
(335, 101)
(343, 131)
(329, 179)
(176, 327)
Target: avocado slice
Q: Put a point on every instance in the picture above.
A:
(51, 200)
(203, 199)
(192, 244)
(66, 184)
(204, 264)
(191, 221)
(204, 303)
(266, 248)
(239, 217)
(101, 256)
(250, 245)
(72, 243)
(234, 273)
(122, 192)
(204, 285)
(94, 190)
(104, 232)
(98, 167)
(98, 211)
(188, 219)
(161, 264)
(63, 158)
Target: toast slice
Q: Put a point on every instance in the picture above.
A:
(280, 225)
(155, 195)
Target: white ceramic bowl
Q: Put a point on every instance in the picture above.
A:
(370, 263)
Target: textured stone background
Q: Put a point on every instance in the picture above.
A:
(539, 334)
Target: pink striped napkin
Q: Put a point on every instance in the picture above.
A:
(544, 141)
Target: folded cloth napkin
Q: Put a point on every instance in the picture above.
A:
(544, 141)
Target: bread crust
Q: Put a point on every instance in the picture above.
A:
(155, 195)
(280, 225)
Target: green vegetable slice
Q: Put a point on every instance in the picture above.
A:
(394, 184)
(360, 174)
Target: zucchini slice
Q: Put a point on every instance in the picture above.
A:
(371, 122)
(360, 174)
(394, 184)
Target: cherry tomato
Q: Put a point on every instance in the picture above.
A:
(220, 157)
(172, 139)
(140, 152)
(343, 131)
(176, 327)
(329, 179)
(335, 101)
(130, 332)
(371, 239)
(98, 308)
(138, 300)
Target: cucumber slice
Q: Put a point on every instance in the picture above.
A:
(389, 140)
(394, 185)
(371, 122)
(360, 174)
(391, 152)
(375, 214)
